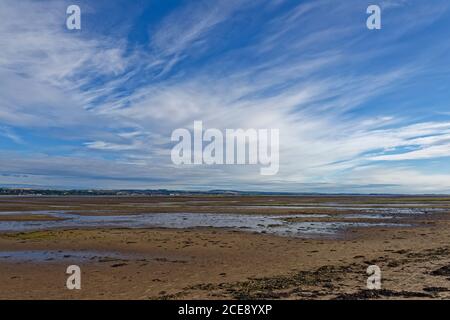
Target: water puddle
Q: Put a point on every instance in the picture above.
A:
(49, 256)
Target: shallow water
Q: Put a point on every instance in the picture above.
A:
(272, 224)
(67, 255)
(383, 210)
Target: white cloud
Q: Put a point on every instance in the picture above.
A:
(49, 81)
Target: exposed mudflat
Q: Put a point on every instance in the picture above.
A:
(225, 247)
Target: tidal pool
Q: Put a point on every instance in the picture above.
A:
(272, 224)
(66, 255)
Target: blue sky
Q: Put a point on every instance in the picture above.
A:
(358, 110)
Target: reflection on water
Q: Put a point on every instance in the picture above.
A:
(382, 210)
(273, 224)
(66, 255)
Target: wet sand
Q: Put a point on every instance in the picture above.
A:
(220, 263)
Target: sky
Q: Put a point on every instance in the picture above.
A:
(358, 110)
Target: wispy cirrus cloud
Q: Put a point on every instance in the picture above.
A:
(104, 109)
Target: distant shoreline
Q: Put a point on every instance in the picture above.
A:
(165, 192)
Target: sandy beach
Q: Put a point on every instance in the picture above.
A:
(327, 258)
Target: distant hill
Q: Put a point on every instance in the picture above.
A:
(164, 192)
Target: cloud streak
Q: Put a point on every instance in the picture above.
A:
(104, 109)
